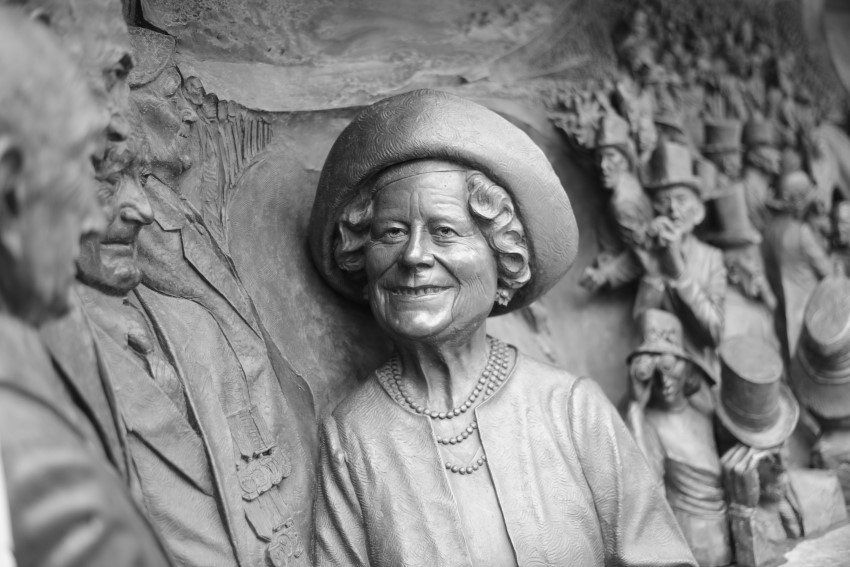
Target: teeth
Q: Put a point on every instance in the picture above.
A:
(416, 291)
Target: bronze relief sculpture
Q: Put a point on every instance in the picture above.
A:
(678, 437)
(440, 213)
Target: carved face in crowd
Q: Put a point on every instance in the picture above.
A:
(841, 224)
(109, 262)
(730, 163)
(681, 205)
(167, 119)
(613, 164)
(431, 272)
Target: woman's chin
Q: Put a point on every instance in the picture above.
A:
(410, 327)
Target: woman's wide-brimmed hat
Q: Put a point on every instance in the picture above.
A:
(428, 124)
(755, 405)
(820, 369)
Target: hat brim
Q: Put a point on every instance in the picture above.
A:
(732, 239)
(720, 149)
(428, 124)
(652, 349)
(694, 183)
(828, 401)
(772, 436)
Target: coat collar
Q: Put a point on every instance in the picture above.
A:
(200, 248)
(26, 367)
(70, 344)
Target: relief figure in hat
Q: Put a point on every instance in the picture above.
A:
(677, 437)
(253, 444)
(629, 206)
(795, 257)
(66, 504)
(749, 303)
(459, 449)
(761, 169)
(770, 501)
(682, 274)
(820, 375)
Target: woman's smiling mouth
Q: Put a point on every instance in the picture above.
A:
(416, 291)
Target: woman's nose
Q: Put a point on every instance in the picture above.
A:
(417, 251)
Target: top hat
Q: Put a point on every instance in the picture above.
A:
(433, 125)
(759, 132)
(671, 165)
(668, 114)
(736, 228)
(614, 132)
(152, 51)
(722, 136)
(755, 405)
(820, 369)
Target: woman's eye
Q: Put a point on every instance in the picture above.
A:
(393, 233)
(444, 232)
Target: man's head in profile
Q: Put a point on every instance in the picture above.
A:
(50, 131)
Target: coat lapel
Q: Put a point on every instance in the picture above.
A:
(150, 415)
(70, 344)
(204, 403)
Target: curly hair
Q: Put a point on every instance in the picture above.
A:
(490, 206)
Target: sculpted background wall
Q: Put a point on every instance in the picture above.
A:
(309, 65)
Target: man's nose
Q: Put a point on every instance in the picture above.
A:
(417, 251)
(135, 206)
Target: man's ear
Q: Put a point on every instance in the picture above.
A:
(699, 212)
(11, 170)
(11, 191)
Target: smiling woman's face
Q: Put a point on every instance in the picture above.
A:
(431, 273)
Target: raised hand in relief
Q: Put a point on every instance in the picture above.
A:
(668, 241)
(741, 474)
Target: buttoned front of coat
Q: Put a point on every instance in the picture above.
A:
(573, 487)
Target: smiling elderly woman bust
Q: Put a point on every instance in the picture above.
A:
(459, 450)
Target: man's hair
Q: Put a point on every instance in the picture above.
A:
(44, 103)
(490, 206)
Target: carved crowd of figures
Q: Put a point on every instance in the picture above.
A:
(147, 417)
(726, 209)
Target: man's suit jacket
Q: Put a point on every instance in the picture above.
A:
(208, 322)
(67, 504)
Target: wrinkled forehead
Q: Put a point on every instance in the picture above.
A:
(423, 170)
(437, 192)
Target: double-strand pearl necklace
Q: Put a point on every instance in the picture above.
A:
(495, 373)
